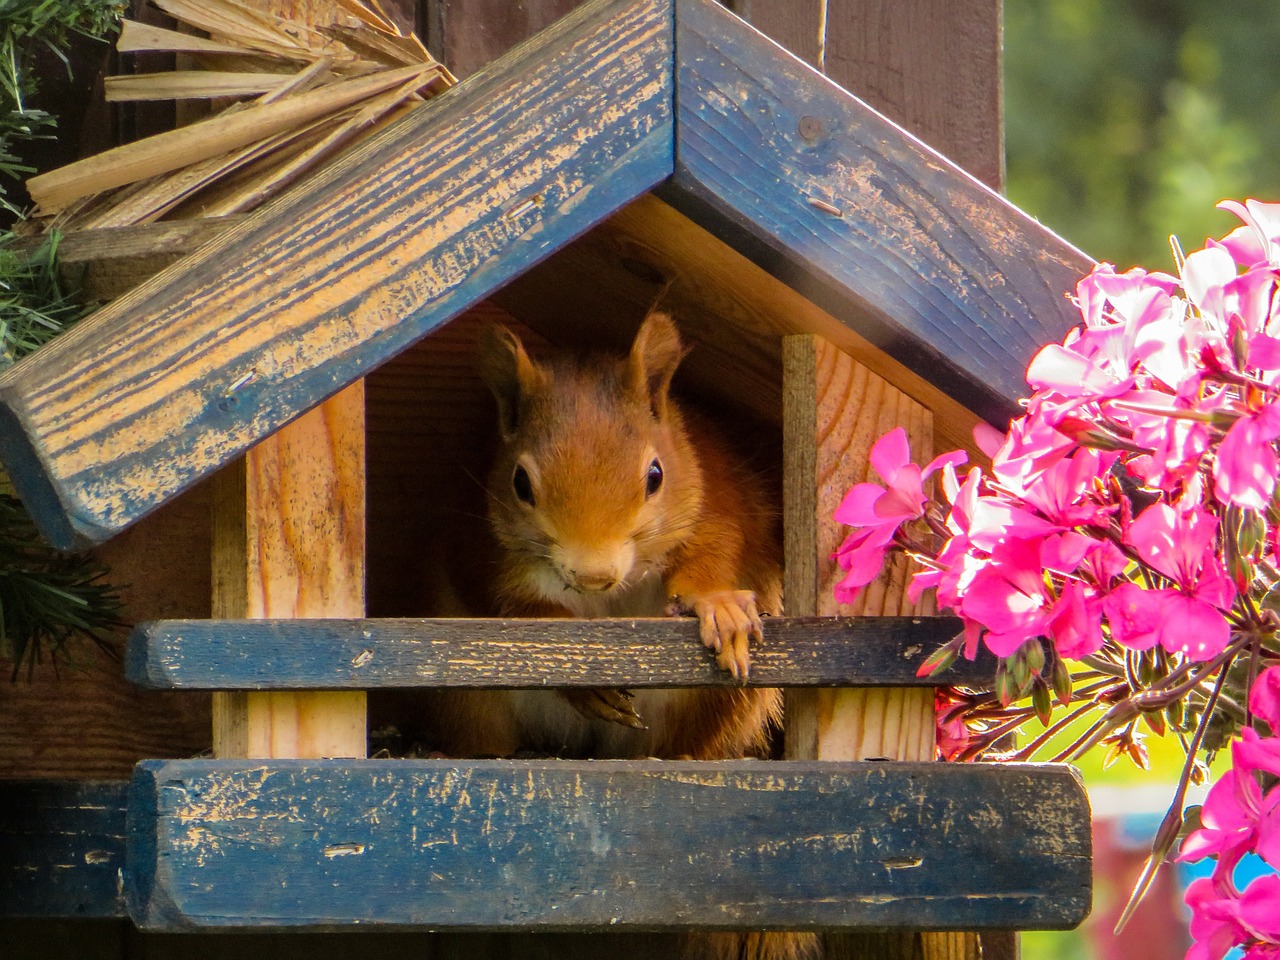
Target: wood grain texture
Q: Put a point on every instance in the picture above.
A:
(184, 373)
(61, 848)
(835, 410)
(289, 540)
(637, 845)
(366, 654)
(932, 67)
(818, 189)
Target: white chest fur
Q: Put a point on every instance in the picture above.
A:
(549, 721)
(646, 598)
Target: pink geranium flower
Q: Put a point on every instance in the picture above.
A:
(1228, 823)
(876, 512)
(1132, 508)
(1244, 471)
(1187, 618)
(1215, 921)
(1258, 241)
(1259, 911)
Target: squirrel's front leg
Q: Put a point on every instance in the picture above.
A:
(728, 621)
(593, 703)
(705, 582)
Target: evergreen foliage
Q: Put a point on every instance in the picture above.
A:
(46, 598)
(25, 27)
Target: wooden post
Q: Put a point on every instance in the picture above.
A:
(288, 541)
(834, 410)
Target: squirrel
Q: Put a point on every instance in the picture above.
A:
(607, 498)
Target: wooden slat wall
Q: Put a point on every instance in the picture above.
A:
(83, 720)
(932, 66)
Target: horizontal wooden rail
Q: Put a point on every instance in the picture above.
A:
(605, 845)
(663, 652)
(61, 848)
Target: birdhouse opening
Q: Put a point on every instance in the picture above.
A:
(431, 421)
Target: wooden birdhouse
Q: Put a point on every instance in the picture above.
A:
(834, 278)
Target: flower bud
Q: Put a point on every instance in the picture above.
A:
(1154, 719)
(1253, 531)
(1033, 650)
(1061, 679)
(1005, 688)
(1041, 701)
(939, 661)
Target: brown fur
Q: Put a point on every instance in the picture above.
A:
(585, 434)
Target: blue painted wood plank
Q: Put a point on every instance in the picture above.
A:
(841, 204)
(372, 654)
(648, 845)
(61, 848)
(178, 377)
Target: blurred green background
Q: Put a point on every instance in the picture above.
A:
(1127, 120)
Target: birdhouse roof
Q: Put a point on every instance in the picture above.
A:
(675, 105)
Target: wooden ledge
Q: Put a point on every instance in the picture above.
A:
(663, 652)
(62, 848)
(605, 845)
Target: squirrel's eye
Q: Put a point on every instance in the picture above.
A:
(653, 479)
(522, 485)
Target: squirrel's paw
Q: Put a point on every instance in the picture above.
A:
(729, 621)
(603, 703)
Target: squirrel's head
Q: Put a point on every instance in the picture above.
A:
(594, 483)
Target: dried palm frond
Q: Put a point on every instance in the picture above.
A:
(315, 91)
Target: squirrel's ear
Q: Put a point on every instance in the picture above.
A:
(508, 372)
(655, 355)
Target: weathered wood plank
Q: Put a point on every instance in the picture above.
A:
(835, 409)
(289, 537)
(873, 226)
(646, 845)
(367, 654)
(61, 848)
(931, 66)
(180, 375)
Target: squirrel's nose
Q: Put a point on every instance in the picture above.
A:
(593, 567)
(593, 582)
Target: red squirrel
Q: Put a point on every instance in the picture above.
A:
(606, 498)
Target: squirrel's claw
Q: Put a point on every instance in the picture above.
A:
(729, 620)
(601, 703)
